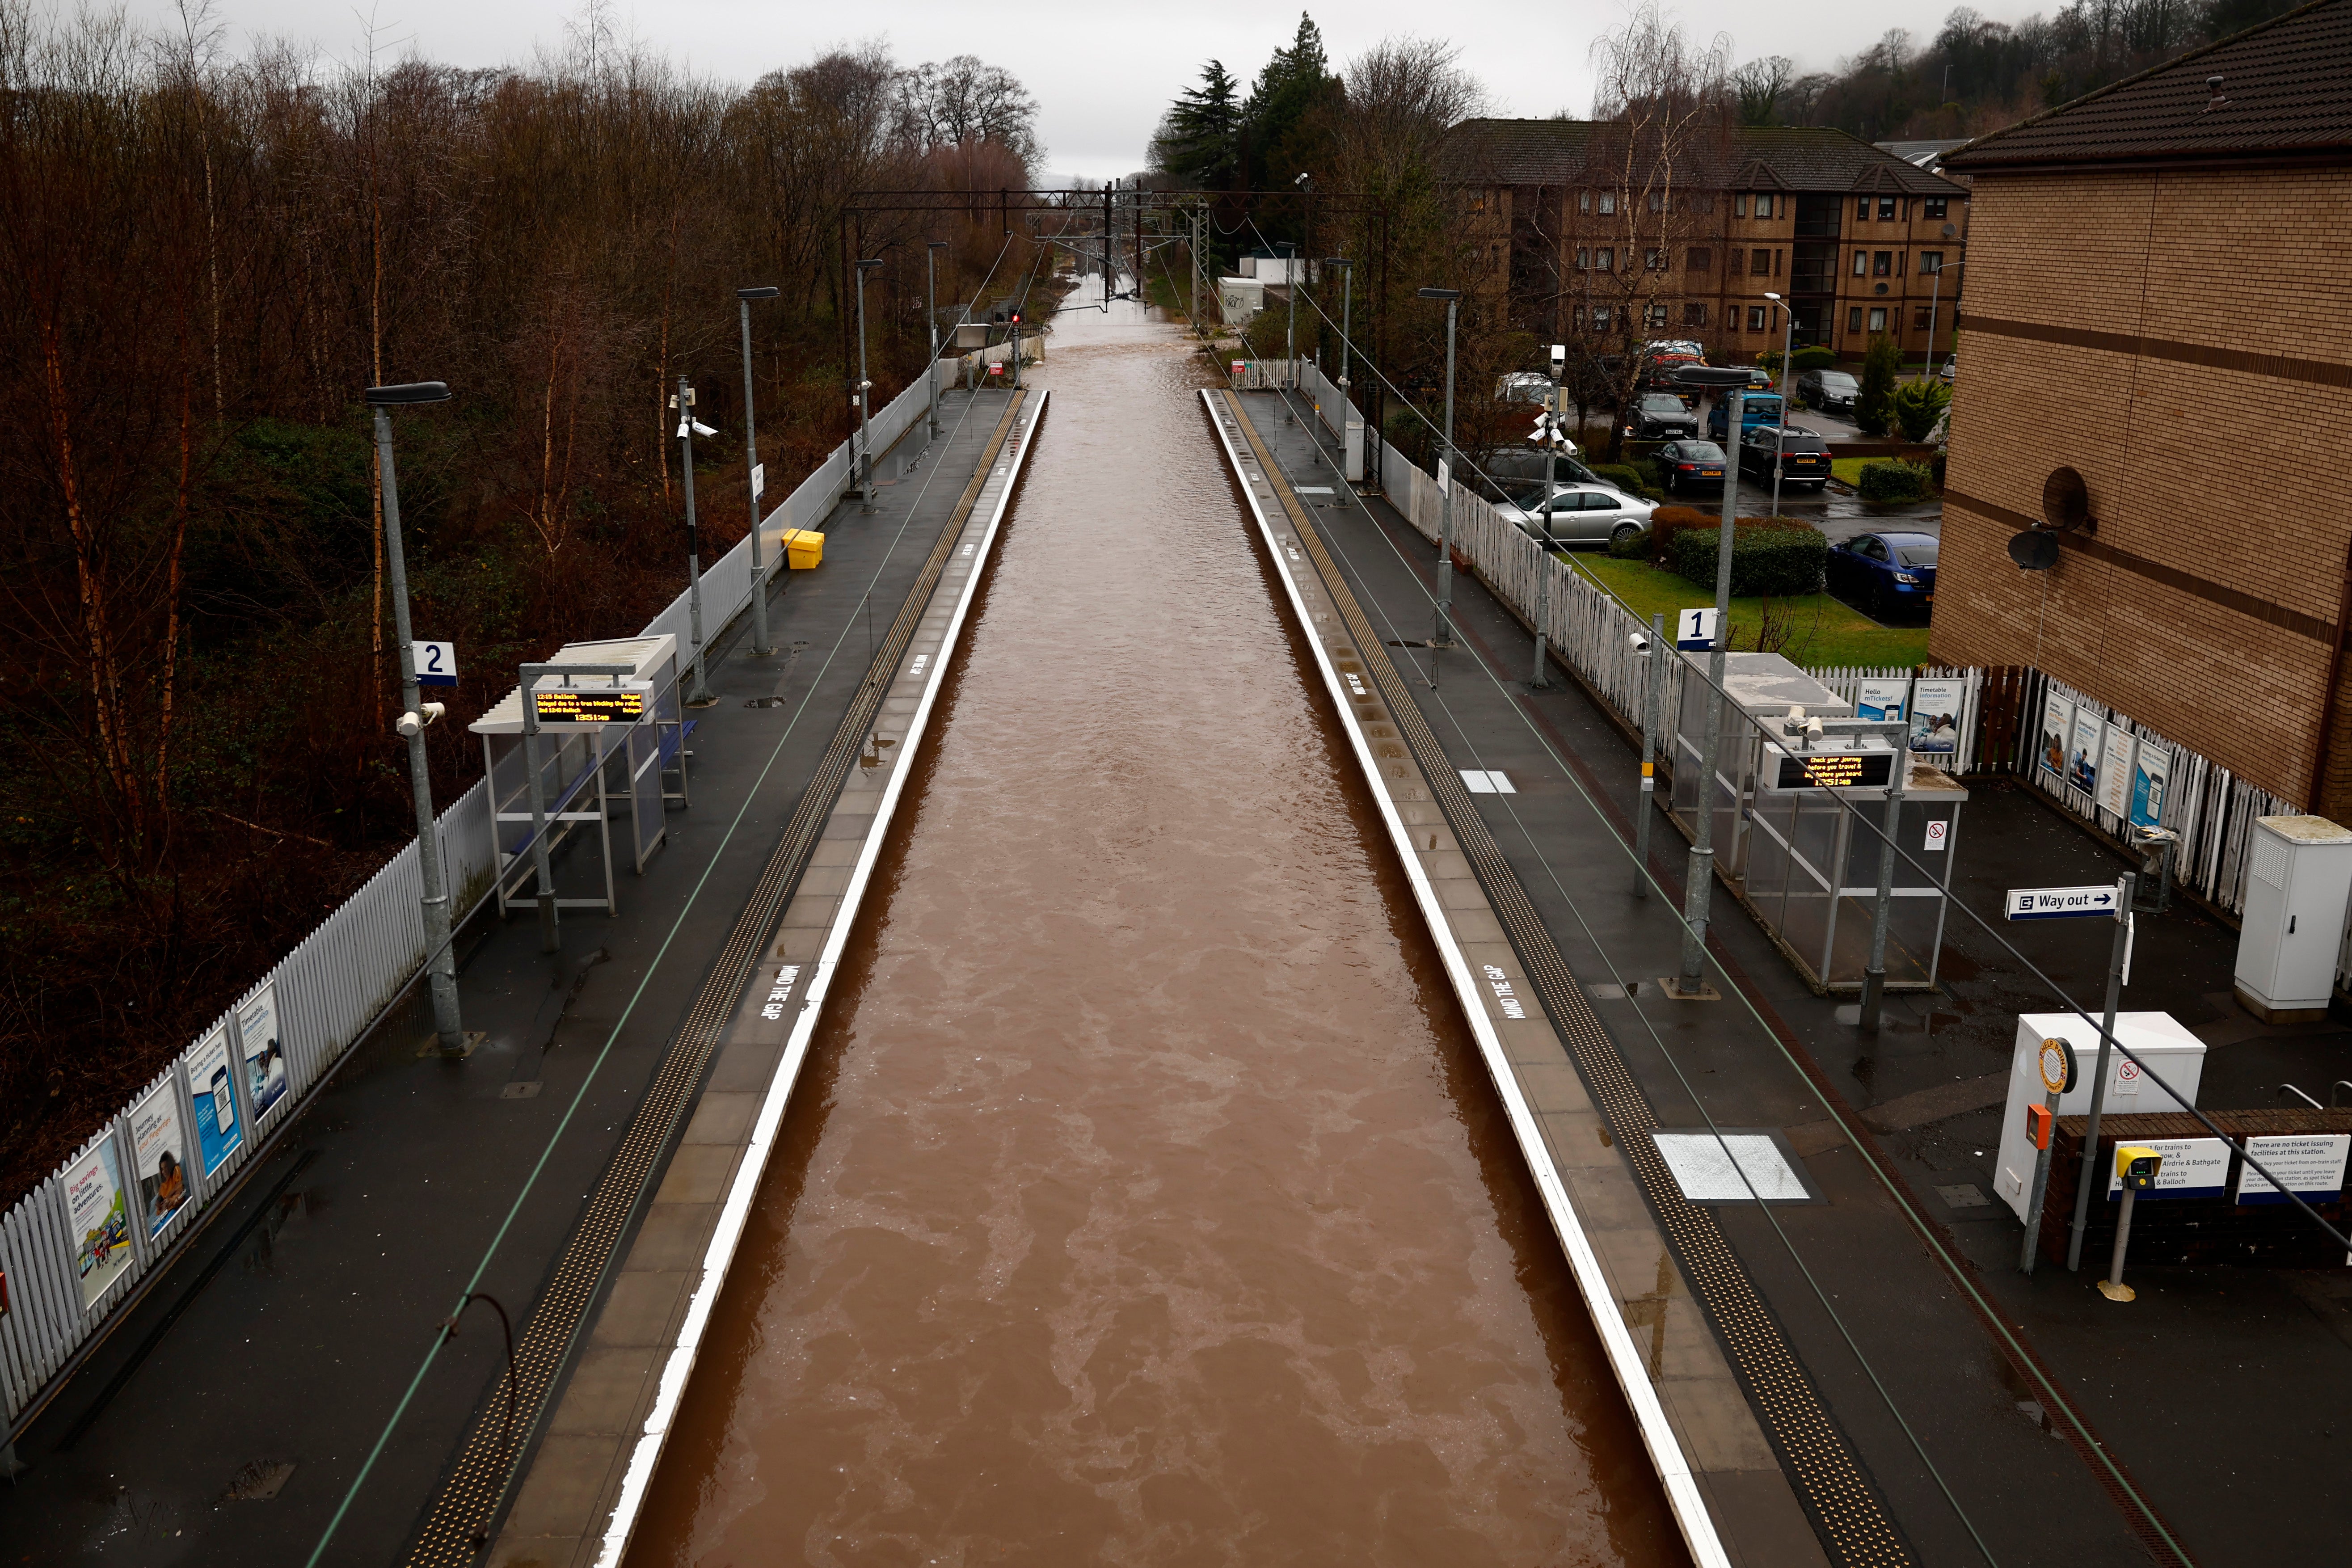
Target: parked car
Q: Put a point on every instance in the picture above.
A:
(1759, 379)
(1948, 370)
(1881, 572)
(1755, 408)
(1804, 456)
(1831, 391)
(1527, 463)
(1660, 416)
(1526, 386)
(1578, 514)
(1689, 468)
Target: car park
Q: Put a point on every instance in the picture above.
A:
(1884, 573)
(1577, 514)
(1689, 468)
(1831, 390)
(1660, 416)
(1804, 457)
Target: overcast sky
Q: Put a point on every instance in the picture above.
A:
(1102, 73)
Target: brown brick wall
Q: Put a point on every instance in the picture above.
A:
(2225, 475)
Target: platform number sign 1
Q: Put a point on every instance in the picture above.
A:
(1694, 629)
(437, 663)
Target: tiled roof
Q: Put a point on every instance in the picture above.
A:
(1802, 158)
(2286, 91)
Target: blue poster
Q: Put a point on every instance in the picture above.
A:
(2150, 776)
(218, 1130)
(264, 1053)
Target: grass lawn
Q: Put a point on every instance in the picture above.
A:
(1823, 630)
(1848, 471)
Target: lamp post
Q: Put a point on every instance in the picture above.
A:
(1779, 441)
(1934, 303)
(698, 694)
(760, 643)
(1443, 635)
(865, 430)
(1290, 276)
(440, 964)
(1699, 881)
(1347, 310)
(931, 296)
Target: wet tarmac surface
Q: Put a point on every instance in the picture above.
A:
(1144, 1201)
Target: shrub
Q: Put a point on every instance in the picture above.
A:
(1873, 406)
(1918, 405)
(1779, 557)
(1632, 547)
(1626, 477)
(1669, 521)
(1892, 479)
(1814, 358)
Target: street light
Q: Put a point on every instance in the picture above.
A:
(689, 428)
(865, 430)
(1935, 300)
(932, 296)
(1699, 880)
(755, 474)
(1443, 635)
(1347, 269)
(440, 964)
(1780, 441)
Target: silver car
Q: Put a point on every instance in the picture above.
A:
(1578, 514)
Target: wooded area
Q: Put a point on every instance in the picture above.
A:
(207, 261)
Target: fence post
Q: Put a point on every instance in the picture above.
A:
(1652, 717)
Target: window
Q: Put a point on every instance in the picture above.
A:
(1860, 262)
(1604, 259)
(1874, 548)
(1700, 261)
(1655, 315)
(1657, 201)
(1755, 318)
(1694, 314)
(1931, 261)
(1937, 206)
(1583, 260)
(1739, 206)
(1854, 318)
(1599, 318)
(1654, 259)
(1921, 317)
(1607, 201)
(1862, 209)
(1479, 202)
(1764, 204)
(1878, 318)
(1885, 209)
(1576, 318)
(1761, 263)
(1882, 265)
(1584, 201)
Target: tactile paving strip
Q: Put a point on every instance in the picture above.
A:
(1828, 1481)
(476, 1487)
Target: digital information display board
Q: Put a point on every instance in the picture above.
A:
(1831, 770)
(589, 704)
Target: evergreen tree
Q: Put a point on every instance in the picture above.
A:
(1198, 139)
(1294, 81)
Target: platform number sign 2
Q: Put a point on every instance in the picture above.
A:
(437, 663)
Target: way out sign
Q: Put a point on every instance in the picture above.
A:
(1694, 629)
(2060, 903)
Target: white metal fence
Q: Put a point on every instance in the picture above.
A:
(73, 1248)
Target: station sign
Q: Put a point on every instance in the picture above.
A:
(2310, 1163)
(2191, 1168)
(435, 663)
(1694, 630)
(2059, 903)
(1828, 770)
(589, 704)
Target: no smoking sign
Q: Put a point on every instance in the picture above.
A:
(1937, 831)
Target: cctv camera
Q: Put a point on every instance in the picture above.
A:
(1641, 641)
(433, 711)
(702, 429)
(409, 724)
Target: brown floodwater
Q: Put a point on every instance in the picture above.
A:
(1144, 1200)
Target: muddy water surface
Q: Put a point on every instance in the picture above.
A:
(1144, 1201)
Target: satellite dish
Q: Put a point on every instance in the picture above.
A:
(1949, 231)
(2033, 550)
(2066, 500)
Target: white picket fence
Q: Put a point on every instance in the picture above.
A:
(60, 1279)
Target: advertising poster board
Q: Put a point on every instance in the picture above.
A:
(98, 1219)
(2057, 723)
(2310, 1163)
(2192, 1168)
(218, 1130)
(161, 1149)
(1936, 716)
(2115, 771)
(2082, 749)
(2151, 780)
(1884, 700)
(266, 1075)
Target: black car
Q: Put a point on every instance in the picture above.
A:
(1804, 456)
(1689, 468)
(1660, 416)
(1527, 463)
(1831, 391)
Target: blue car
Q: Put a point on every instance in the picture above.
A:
(1884, 573)
(1755, 408)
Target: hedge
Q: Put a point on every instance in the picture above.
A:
(1814, 358)
(1780, 559)
(1892, 479)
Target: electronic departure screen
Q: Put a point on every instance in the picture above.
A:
(1832, 770)
(589, 704)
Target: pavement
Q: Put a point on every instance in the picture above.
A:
(1958, 1379)
(226, 1417)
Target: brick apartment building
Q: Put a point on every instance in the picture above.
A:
(2157, 298)
(1858, 241)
